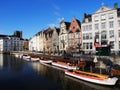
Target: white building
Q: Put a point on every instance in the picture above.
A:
(63, 36)
(104, 24)
(10, 43)
(33, 43)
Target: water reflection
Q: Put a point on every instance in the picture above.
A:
(67, 82)
(10, 62)
(17, 74)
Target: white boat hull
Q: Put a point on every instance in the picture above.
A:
(35, 59)
(109, 81)
(27, 58)
(64, 66)
(46, 61)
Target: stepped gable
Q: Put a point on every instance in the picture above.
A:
(75, 26)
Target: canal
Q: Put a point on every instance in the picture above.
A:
(18, 74)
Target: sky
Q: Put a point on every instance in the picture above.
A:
(31, 16)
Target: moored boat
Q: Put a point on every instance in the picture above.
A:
(26, 57)
(64, 65)
(46, 61)
(34, 58)
(92, 77)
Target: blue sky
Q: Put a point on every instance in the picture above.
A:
(30, 16)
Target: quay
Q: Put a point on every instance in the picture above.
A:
(105, 59)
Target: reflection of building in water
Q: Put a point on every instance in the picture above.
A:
(35, 66)
(48, 72)
(1, 61)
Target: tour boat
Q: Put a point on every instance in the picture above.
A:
(18, 55)
(35, 58)
(26, 57)
(46, 61)
(64, 65)
(92, 77)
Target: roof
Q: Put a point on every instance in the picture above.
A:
(67, 25)
(58, 30)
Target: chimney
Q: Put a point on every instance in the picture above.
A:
(84, 15)
(116, 5)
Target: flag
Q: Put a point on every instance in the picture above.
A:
(95, 43)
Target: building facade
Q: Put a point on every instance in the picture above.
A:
(48, 40)
(104, 26)
(63, 36)
(10, 43)
(55, 40)
(74, 36)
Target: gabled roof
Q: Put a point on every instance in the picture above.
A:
(79, 23)
(58, 30)
(67, 25)
(103, 8)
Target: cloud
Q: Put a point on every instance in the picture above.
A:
(56, 24)
(56, 7)
(60, 19)
(52, 25)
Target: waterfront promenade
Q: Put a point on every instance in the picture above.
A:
(115, 59)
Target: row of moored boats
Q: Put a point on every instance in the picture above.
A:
(72, 70)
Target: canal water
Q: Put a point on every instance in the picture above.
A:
(18, 74)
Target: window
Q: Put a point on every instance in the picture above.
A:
(72, 42)
(97, 35)
(103, 25)
(111, 16)
(103, 35)
(90, 35)
(83, 28)
(103, 17)
(119, 33)
(112, 44)
(96, 26)
(87, 27)
(111, 24)
(77, 41)
(111, 33)
(118, 23)
(87, 46)
(119, 44)
(62, 37)
(77, 34)
(84, 36)
(84, 45)
(96, 18)
(73, 27)
(91, 45)
(87, 36)
(90, 27)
